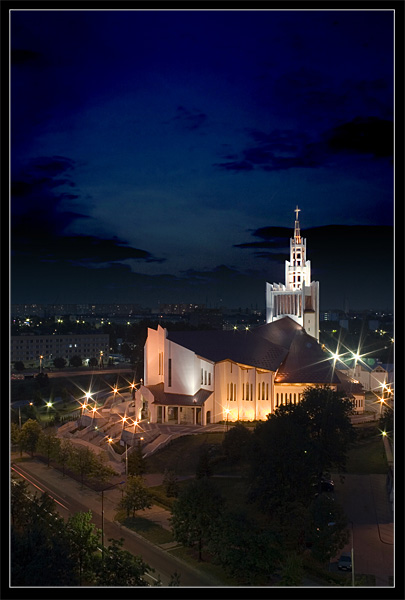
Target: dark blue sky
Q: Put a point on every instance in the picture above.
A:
(159, 155)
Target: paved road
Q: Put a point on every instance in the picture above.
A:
(365, 501)
(73, 498)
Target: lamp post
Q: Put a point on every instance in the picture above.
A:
(102, 516)
(227, 415)
(40, 363)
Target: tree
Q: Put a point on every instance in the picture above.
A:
(75, 361)
(237, 442)
(121, 568)
(237, 540)
(64, 453)
(82, 461)
(327, 528)
(59, 362)
(326, 415)
(18, 500)
(48, 444)
(203, 468)
(39, 554)
(93, 362)
(171, 483)
(292, 571)
(136, 495)
(14, 434)
(196, 512)
(283, 472)
(29, 436)
(19, 365)
(83, 540)
(41, 381)
(136, 461)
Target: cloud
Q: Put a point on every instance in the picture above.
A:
(40, 221)
(189, 119)
(280, 150)
(363, 136)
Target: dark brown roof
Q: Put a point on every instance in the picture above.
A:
(348, 385)
(306, 362)
(168, 399)
(243, 347)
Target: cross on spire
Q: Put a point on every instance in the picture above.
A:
(297, 210)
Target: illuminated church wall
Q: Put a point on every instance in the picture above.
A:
(245, 391)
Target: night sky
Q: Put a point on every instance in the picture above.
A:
(158, 156)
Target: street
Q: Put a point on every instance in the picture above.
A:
(71, 498)
(365, 501)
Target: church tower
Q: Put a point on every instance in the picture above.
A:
(298, 298)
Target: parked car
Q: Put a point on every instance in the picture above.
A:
(345, 562)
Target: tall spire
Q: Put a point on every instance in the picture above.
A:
(297, 234)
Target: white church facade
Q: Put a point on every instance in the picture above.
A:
(212, 376)
(298, 297)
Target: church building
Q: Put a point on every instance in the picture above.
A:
(211, 376)
(298, 298)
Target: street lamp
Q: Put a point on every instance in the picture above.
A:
(40, 363)
(102, 515)
(227, 410)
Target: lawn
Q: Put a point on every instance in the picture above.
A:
(182, 454)
(368, 457)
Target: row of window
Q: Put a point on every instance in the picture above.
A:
(204, 379)
(247, 391)
(287, 398)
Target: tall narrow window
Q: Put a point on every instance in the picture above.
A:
(231, 396)
(267, 391)
(234, 391)
(243, 391)
(205, 377)
(209, 378)
(263, 390)
(170, 372)
(258, 391)
(251, 391)
(202, 376)
(247, 391)
(277, 399)
(227, 391)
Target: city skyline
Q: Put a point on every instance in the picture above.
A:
(162, 154)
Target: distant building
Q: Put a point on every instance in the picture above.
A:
(370, 373)
(298, 298)
(29, 348)
(202, 377)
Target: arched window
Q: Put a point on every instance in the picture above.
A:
(267, 391)
(263, 390)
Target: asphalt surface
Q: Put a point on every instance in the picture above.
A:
(366, 504)
(72, 497)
